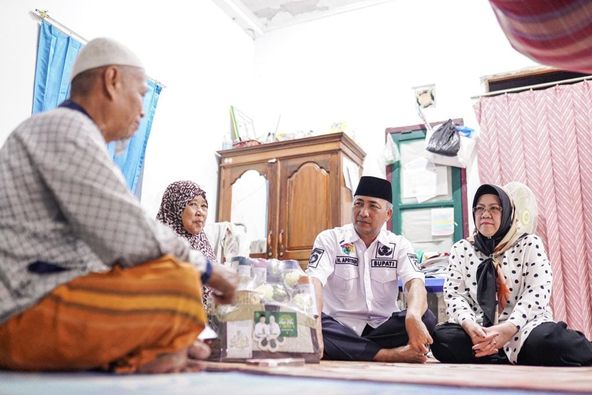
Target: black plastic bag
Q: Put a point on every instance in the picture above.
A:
(445, 140)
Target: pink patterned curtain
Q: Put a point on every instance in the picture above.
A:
(544, 140)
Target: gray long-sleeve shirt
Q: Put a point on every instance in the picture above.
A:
(64, 202)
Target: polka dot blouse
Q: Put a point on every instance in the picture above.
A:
(528, 275)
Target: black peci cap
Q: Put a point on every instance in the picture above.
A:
(375, 187)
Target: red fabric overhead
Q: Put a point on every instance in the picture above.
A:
(557, 33)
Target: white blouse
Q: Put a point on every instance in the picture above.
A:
(528, 275)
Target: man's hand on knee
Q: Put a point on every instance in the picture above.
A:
(419, 336)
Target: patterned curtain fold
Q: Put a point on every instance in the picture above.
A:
(56, 54)
(553, 32)
(544, 140)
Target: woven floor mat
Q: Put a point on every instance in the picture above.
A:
(478, 376)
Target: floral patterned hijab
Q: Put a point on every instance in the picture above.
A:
(175, 199)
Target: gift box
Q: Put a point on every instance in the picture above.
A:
(275, 319)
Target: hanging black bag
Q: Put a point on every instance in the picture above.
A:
(445, 140)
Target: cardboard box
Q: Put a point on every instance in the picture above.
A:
(247, 331)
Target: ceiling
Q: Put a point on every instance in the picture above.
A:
(258, 17)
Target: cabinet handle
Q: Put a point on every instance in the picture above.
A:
(281, 242)
(269, 250)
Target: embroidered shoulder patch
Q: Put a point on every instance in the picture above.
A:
(315, 256)
(414, 263)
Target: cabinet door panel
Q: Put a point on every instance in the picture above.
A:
(305, 204)
(306, 188)
(244, 196)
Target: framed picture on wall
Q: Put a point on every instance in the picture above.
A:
(243, 128)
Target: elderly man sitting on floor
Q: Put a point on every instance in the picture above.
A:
(87, 279)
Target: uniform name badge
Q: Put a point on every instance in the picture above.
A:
(346, 260)
(387, 263)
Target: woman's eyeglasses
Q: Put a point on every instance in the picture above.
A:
(493, 210)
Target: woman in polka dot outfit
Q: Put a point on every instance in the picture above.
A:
(497, 295)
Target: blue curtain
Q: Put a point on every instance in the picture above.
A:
(131, 161)
(56, 54)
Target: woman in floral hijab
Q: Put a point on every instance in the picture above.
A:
(184, 209)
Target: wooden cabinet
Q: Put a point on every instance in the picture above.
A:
(306, 189)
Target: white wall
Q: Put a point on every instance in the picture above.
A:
(359, 67)
(202, 57)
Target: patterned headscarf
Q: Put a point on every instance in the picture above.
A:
(175, 199)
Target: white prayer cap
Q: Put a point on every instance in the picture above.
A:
(102, 52)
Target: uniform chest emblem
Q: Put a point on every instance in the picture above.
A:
(384, 251)
(348, 248)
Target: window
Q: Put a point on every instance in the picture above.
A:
(537, 78)
(429, 201)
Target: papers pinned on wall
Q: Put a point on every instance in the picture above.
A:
(416, 226)
(423, 180)
(442, 221)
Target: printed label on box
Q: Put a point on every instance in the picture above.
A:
(272, 328)
(238, 339)
(276, 323)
